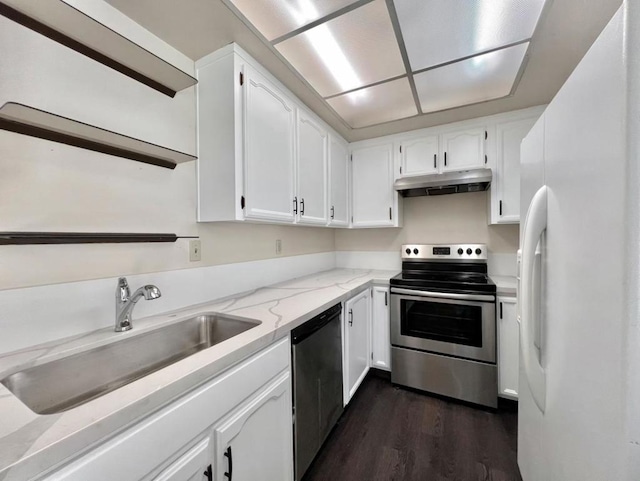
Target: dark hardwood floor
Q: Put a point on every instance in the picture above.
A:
(389, 433)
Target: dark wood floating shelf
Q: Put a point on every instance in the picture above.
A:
(45, 125)
(69, 26)
(30, 238)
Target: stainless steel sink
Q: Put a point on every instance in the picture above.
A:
(71, 381)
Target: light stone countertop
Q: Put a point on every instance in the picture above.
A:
(505, 285)
(31, 444)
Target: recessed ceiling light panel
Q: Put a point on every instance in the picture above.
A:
(374, 105)
(274, 18)
(353, 50)
(484, 77)
(441, 31)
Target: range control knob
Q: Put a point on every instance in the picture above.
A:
(478, 251)
(408, 251)
(469, 251)
(415, 251)
(460, 251)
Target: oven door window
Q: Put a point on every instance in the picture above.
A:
(452, 323)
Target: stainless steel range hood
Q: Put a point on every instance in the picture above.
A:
(476, 180)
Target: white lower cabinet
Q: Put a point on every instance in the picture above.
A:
(357, 347)
(246, 410)
(508, 347)
(256, 442)
(380, 330)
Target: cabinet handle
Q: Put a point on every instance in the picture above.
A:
(302, 206)
(500, 207)
(390, 213)
(386, 301)
(229, 455)
(445, 159)
(209, 473)
(295, 205)
(501, 310)
(350, 317)
(435, 165)
(333, 212)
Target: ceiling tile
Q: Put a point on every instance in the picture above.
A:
(356, 49)
(274, 18)
(373, 105)
(440, 31)
(485, 77)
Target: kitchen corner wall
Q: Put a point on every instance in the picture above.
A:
(45, 186)
(460, 218)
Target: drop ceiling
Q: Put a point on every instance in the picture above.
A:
(377, 67)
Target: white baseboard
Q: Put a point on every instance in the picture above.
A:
(385, 260)
(34, 315)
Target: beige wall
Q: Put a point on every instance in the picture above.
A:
(460, 218)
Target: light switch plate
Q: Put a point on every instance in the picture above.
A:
(194, 250)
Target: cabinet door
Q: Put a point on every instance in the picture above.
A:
(508, 347)
(195, 465)
(256, 441)
(463, 149)
(372, 181)
(312, 171)
(380, 337)
(338, 183)
(269, 119)
(419, 156)
(506, 179)
(357, 342)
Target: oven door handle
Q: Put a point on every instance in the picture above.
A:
(444, 295)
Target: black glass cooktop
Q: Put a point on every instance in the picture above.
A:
(444, 277)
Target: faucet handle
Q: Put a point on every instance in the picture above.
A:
(123, 293)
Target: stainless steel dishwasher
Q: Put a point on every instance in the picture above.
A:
(317, 384)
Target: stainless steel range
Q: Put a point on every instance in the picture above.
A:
(443, 322)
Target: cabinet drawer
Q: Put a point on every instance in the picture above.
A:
(154, 442)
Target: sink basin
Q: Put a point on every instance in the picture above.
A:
(71, 381)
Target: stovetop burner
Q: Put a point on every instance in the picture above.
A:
(445, 268)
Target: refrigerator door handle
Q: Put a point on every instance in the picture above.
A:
(535, 225)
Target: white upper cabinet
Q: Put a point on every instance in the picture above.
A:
(268, 150)
(374, 202)
(505, 188)
(338, 207)
(261, 155)
(312, 170)
(419, 156)
(463, 149)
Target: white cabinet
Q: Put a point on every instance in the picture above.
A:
(463, 149)
(338, 182)
(312, 170)
(194, 466)
(256, 441)
(505, 188)
(374, 202)
(357, 347)
(508, 347)
(262, 156)
(247, 407)
(268, 150)
(419, 156)
(380, 330)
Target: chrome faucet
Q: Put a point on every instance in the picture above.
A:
(125, 302)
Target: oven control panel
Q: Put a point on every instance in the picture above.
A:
(450, 252)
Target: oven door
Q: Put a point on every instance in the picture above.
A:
(461, 325)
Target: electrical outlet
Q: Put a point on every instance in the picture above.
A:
(195, 252)
(278, 247)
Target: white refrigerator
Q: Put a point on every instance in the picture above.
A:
(579, 407)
